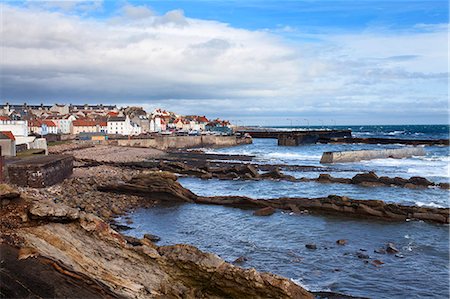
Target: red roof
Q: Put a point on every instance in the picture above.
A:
(34, 123)
(202, 119)
(112, 113)
(49, 123)
(83, 123)
(89, 123)
(8, 134)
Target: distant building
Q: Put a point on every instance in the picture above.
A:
(16, 127)
(60, 109)
(37, 127)
(122, 125)
(63, 122)
(7, 143)
(88, 126)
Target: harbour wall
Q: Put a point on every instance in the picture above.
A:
(354, 156)
(176, 142)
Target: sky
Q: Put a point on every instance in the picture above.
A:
(317, 62)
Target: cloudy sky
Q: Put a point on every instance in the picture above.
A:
(254, 62)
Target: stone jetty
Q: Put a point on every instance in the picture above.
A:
(354, 156)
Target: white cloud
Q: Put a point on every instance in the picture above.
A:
(193, 65)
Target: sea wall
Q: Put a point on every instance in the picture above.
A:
(354, 156)
(176, 142)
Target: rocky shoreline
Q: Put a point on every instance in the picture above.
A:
(83, 255)
(67, 232)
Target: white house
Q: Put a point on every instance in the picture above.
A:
(122, 125)
(63, 122)
(16, 127)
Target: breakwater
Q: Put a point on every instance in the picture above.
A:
(177, 142)
(354, 156)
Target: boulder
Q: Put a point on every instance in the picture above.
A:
(363, 256)
(275, 173)
(152, 238)
(48, 210)
(390, 248)
(311, 246)
(324, 177)
(267, 211)
(419, 181)
(240, 260)
(341, 242)
(444, 185)
(365, 177)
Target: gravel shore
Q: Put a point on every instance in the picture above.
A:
(110, 153)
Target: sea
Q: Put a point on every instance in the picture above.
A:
(277, 243)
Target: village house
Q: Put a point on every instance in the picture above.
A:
(182, 124)
(37, 127)
(63, 122)
(17, 127)
(88, 126)
(122, 125)
(60, 109)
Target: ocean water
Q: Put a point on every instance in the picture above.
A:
(277, 243)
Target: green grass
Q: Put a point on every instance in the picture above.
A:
(31, 152)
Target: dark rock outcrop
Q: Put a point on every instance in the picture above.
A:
(267, 211)
(164, 186)
(155, 185)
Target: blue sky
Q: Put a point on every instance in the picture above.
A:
(259, 62)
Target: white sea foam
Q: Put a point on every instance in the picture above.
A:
(293, 156)
(428, 204)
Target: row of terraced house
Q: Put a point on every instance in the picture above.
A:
(107, 119)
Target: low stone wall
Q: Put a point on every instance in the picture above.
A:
(176, 142)
(40, 172)
(354, 156)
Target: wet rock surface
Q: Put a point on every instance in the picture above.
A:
(167, 189)
(88, 258)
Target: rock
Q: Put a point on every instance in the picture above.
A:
(365, 177)
(54, 212)
(419, 181)
(444, 185)
(311, 246)
(132, 241)
(267, 211)
(275, 173)
(324, 177)
(399, 255)
(240, 260)
(390, 248)
(152, 238)
(156, 185)
(341, 242)
(377, 262)
(380, 251)
(361, 255)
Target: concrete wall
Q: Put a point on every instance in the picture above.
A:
(40, 172)
(39, 143)
(353, 156)
(174, 142)
(8, 147)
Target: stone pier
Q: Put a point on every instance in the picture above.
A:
(354, 156)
